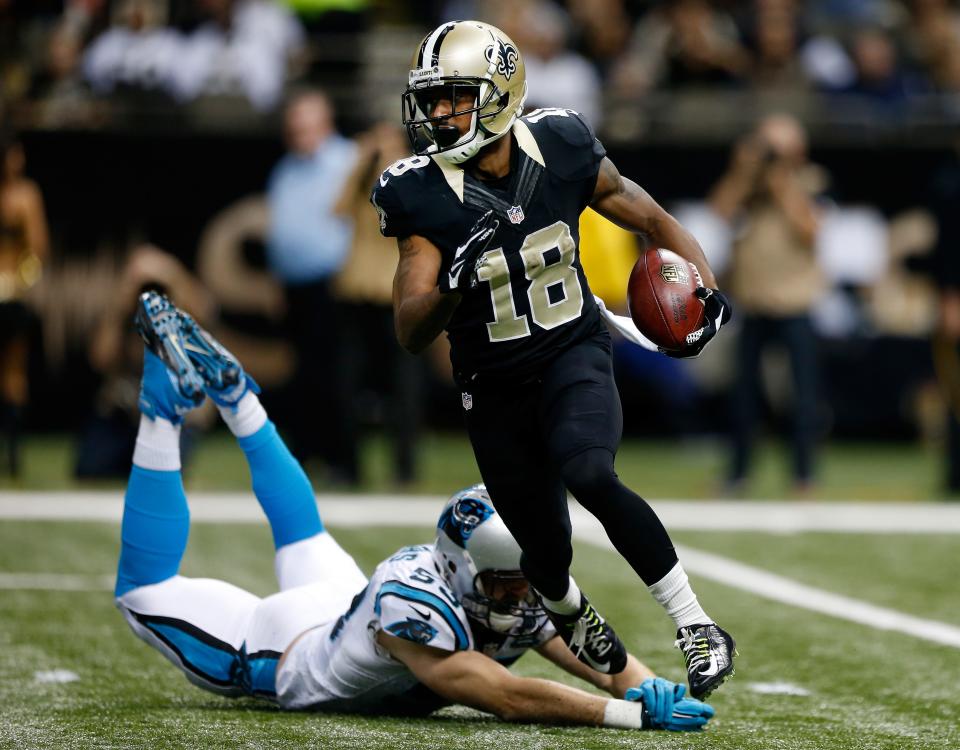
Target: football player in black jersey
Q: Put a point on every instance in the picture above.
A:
(529, 346)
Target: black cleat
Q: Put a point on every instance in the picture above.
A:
(591, 639)
(708, 651)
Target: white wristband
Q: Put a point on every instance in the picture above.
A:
(623, 714)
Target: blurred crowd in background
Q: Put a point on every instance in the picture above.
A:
(223, 150)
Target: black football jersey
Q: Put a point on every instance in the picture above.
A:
(532, 300)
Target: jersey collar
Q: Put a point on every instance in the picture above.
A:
(525, 140)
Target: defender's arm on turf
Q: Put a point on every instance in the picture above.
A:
(420, 311)
(476, 680)
(556, 651)
(629, 206)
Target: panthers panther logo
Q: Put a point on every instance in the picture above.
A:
(505, 55)
(460, 519)
(413, 630)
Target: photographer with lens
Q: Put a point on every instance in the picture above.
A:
(769, 195)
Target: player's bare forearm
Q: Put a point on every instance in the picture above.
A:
(629, 206)
(420, 312)
(475, 680)
(556, 651)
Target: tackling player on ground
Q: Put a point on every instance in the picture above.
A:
(435, 624)
(528, 344)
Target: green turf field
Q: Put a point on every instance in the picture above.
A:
(867, 688)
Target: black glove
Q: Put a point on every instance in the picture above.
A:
(462, 273)
(716, 311)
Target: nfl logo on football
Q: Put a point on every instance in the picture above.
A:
(467, 401)
(515, 215)
(673, 273)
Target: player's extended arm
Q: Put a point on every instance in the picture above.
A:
(420, 311)
(476, 680)
(630, 206)
(556, 651)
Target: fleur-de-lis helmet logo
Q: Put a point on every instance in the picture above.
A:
(506, 57)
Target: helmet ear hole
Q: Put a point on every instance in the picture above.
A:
(504, 101)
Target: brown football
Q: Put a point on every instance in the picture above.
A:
(661, 299)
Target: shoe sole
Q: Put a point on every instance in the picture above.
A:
(215, 365)
(159, 327)
(722, 676)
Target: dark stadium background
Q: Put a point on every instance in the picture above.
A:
(156, 171)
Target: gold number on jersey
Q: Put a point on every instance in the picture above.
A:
(506, 323)
(558, 278)
(547, 279)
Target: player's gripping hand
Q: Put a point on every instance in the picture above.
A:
(462, 273)
(666, 708)
(717, 311)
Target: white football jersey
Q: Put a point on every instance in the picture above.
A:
(340, 665)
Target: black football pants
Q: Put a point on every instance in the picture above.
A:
(535, 441)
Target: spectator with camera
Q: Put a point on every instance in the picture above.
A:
(769, 193)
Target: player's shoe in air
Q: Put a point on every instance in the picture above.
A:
(171, 385)
(591, 639)
(223, 377)
(708, 651)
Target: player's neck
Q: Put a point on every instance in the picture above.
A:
(493, 161)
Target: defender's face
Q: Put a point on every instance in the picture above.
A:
(507, 591)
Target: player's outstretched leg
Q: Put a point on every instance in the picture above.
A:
(306, 553)
(156, 519)
(586, 633)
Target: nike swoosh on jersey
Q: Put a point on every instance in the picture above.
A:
(455, 268)
(424, 615)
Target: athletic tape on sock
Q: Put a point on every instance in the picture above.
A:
(245, 417)
(674, 594)
(158, 445)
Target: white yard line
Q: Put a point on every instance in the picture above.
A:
(383, 510)
(778, 588)
(420, 510)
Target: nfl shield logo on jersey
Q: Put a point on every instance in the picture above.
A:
(467, 401)
(515, 215)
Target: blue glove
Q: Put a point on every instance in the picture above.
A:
(666, 708)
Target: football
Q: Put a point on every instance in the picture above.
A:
(661, 299)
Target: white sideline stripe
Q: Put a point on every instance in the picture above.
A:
(772, 586)
(385, 510)
(678, 515)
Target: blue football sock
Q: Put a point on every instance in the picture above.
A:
(281, 487)
(156, 523)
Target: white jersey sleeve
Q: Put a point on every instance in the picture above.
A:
(341, 666)
(419, 607)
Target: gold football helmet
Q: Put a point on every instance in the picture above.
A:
(460, 61)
